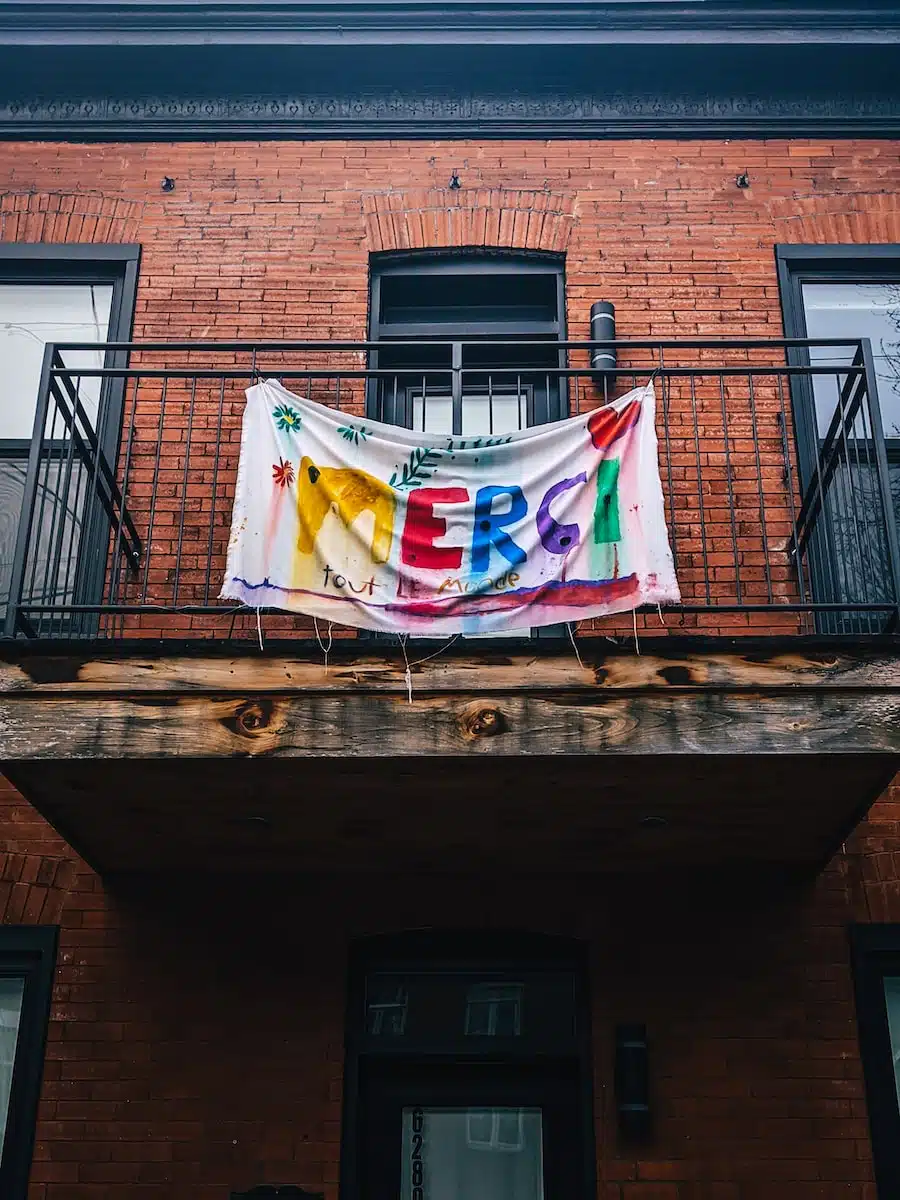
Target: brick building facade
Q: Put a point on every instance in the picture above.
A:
(215, 868)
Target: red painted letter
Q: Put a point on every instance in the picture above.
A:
(422, 527)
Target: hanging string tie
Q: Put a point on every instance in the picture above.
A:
(407, 675)
(259, 632)
(574, 645)
(325, 649)
(637, 643)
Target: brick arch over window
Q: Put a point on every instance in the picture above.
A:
(33, 888)
(860, 219)
(470, 217)
(68, 217)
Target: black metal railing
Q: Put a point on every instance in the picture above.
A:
(779, 522)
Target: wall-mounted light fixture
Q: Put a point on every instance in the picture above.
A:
(167, 184)
(743, 180)
(603, 329)
(632, 1082)
(454, 183)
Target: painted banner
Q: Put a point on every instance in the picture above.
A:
(385, 528)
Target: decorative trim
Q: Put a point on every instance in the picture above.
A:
(498, 218)
(390, 115)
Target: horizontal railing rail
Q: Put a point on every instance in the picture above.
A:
(780, 496)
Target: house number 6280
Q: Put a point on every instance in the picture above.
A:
(418, 1167)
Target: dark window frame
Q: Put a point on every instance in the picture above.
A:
(828, 263)
(875, 953)
(799, 264)
(85, 264)
(451, 950)
(29, 952)
(468, 262)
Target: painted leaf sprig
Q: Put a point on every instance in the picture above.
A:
(353, 433)
(417, 469)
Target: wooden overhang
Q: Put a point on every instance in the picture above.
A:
(683, 755)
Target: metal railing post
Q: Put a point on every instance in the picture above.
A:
(26, 518)
(456, 385)
(884, 484)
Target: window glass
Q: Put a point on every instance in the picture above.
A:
(11, 993)
(31, 315)
(447, 1009)
(855, 310)
(472, 1154)
(892, 997)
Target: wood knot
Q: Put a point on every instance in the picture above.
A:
(483, 721)
(250, 717)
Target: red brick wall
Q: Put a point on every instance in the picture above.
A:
(196, 1037)
(272, 240)
(196, 1034)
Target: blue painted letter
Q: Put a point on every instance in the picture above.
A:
(489, 527)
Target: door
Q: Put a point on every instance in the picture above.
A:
(849, 292)
(57, 294)
(476, 1132)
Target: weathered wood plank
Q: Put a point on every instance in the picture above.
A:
(487, 670)
(321, 725)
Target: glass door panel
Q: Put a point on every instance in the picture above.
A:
(472, 1154)
(855, 563)
(31, 316)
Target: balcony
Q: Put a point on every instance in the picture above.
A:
(751, 726)
(130, 481)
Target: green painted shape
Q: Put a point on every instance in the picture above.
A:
(606, 511)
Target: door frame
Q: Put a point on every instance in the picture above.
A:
(453, 950)
(85, 264)
(829, 263)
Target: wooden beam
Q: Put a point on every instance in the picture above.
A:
(670, 669)
(316, 724)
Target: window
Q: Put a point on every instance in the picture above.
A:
(876, 964)
(27, 961)
(468, 1070)
(456, 330)
(56, 294)
(851, 292)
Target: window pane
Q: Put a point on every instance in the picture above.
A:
(472, 1154)
(445, 1009)
(892, 996)
(32, 315)
(871, 310)
(11, 992)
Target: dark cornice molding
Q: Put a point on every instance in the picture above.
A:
(406, 22)
(386, 115)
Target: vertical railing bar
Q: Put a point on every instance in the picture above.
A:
(154, 492)
(887, 504)
(456, 388)
(732, 519)
(126, 476)
(29, 495)
(862, 547)
(214, 494)
(519, 393)
(51, 580)
(184, 488)
(705, 551)
(877, 529)
(789, 483)
(665, 381)
(490, 380)
(44, 465)
(760, 492)
(71, 554)
(822, 522)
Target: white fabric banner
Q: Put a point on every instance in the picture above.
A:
(367, 524)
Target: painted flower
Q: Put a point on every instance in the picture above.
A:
(283, 473)
(286, 418)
